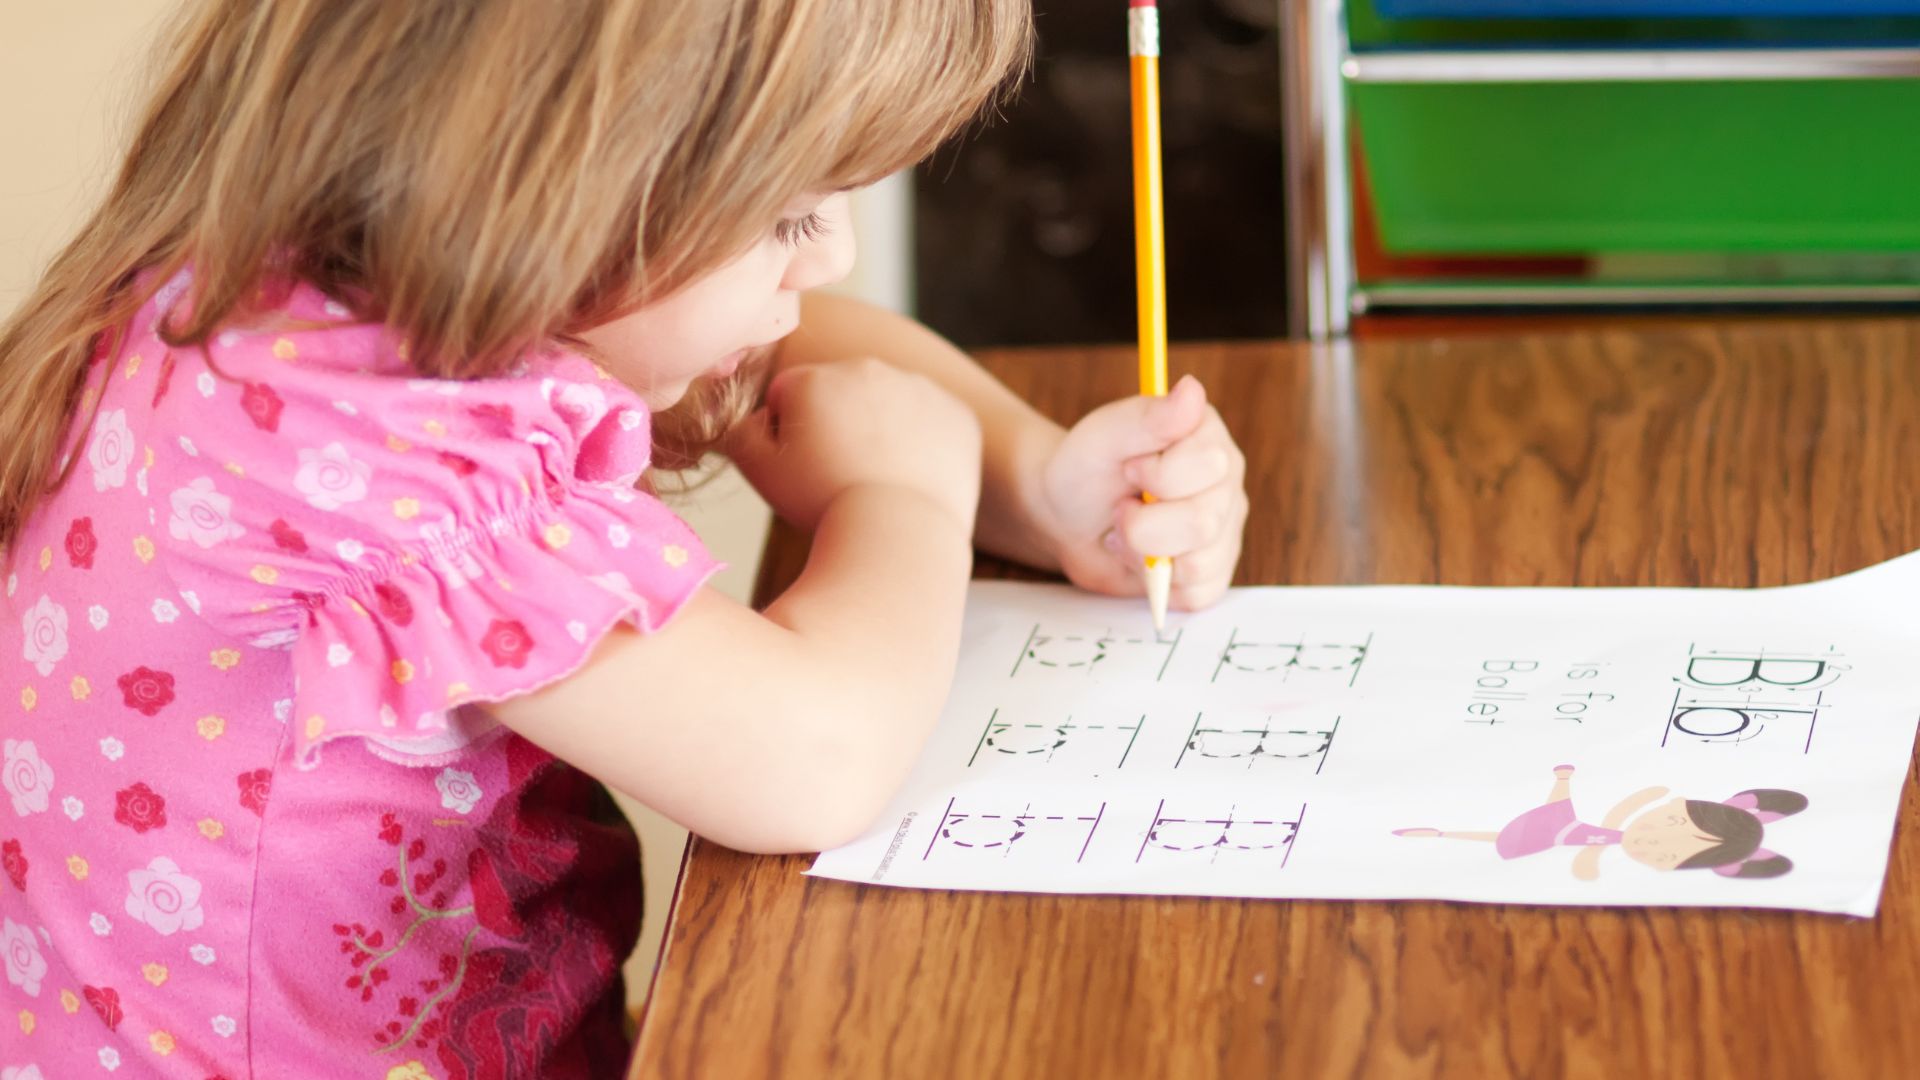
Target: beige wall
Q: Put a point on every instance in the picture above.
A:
(70, 71)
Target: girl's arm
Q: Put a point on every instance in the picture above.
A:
(1629, 806)
(789, 730)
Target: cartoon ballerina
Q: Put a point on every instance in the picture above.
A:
(1680, 834)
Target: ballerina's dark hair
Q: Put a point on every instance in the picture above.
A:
(1740, 823)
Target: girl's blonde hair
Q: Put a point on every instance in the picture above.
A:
(484, 176)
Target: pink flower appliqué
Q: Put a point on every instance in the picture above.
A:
(164, 898)
(43, 630)
(28, 779)
(202, 515)
(330, 478)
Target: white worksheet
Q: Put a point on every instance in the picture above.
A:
(1704, 747)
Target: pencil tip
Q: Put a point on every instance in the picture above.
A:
(1159, 575)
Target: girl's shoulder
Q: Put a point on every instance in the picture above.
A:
(417, 543)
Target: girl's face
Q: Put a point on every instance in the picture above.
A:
(1664, 837)
(710, 324)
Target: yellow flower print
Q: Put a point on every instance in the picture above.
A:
(224, 659)
(402, 671)
(46, 557)
(406, 509)
(285, 349)
(26, 1022)
(315, 725)
(69, 1001)
(454, 690)
(211, 727)
(82, 689)
(397, 444)
(434, 428)
(133, 364)
(161, 1042)
(412, 1070)
(147, 463)
(155, 973)
(557, 535)
(675, 555)
(28, 698)
(234, 468)
(143, 547)
(77, 866)
(212, 829)
(264, 574)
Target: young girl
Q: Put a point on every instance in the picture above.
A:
(332, 552)
(1680, 834)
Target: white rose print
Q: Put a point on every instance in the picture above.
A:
(110, 450)
(331, 478)
(164, 898)
(202, 515)
(25, 966)
(44, 635)
(97, 617)
(164, 611)
(28, 780)
(458, 790)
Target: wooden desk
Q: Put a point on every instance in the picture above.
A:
(1708, 454)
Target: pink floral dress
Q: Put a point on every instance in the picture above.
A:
(252, 824)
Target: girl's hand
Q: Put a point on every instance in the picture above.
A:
(1175, 447)
(827, 428)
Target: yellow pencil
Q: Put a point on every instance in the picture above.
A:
(1149, 243)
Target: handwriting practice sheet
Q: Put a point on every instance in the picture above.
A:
(1700, 747)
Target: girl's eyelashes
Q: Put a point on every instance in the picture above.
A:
(791, 231)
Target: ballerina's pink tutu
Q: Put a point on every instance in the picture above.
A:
(1550, 825)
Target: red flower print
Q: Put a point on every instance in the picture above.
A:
(165, 380)
(140, 808)
(286, 537)
(461, 466)
(81, 543)
(105, 1001)
(146, 689)
(255, 786)
(506, 643)
(493, 418)
(393, 603)
(262, 406)
(16, 864)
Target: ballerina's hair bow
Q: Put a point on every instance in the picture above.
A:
(1749, 802)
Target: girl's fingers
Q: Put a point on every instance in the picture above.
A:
(1192, 465)
(1175, 528)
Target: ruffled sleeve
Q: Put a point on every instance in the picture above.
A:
(418, 545)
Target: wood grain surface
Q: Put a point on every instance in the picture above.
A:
(1710, 454)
